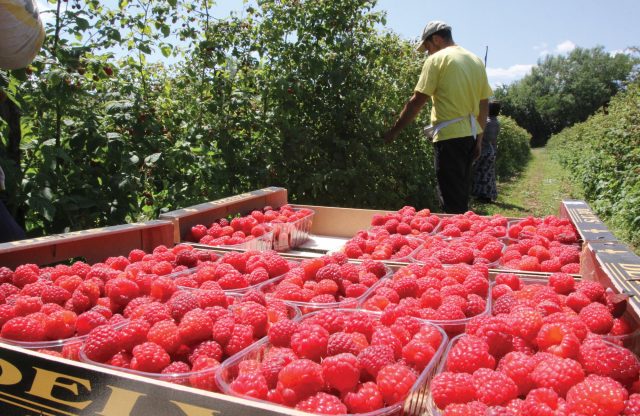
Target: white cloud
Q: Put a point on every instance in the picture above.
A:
(542, 49)
(498, 76)
(566, 46)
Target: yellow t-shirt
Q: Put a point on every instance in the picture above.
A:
(456, 81)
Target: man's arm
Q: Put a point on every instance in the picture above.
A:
(408, 114)
(482, 121)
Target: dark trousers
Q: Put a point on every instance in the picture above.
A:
(453, 160)
(9, 228)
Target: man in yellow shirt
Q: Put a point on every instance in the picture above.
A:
(456, 81)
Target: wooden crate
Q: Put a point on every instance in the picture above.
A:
(92, 246)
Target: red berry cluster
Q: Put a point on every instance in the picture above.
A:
(430, 291)
(471, 224)
(406, 221)
(327, 280)
(192, 332)
(381, 245)
(540, 254)
(243, 229)
(480, 248)
(236, 271)
(541, 352)
(550, 227)
(52, 303)
(338, 362)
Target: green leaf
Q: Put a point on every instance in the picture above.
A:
(152, 159)
(166, 50)
(83, 24)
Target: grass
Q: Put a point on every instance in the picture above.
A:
(537, 191)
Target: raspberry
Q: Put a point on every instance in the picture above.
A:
(366, 398)
(469, 354)
(149, 357)
(25, 305)
(121, 359)
(406, 287)
(361, 322)
(418, 354)
(23, 328)
(577, 301)
(89, 320)
(182, 303)
(310, 341)
(597, 318)
(470, 409)
(165, 334)
(162, 288)
(526, 323)
(597, 395)
(203, 374)
(600, 358)
(275, 265)
(274, 361)
(374, 358)
(570, 320)
(448, 387)
(384, 336)
(222, 330)
(300, 379)
(540, 402)
(562, 283)
(518, 366)
(593, 290)
(341, 371)
(241, 338)
(281, 331)
(195, 326)
(209, 349)
(322, 403)
(25, 274)
(60, 325)
(395, 381)
(121, 290)
(494, 388)
(252, 314)
(251, 385)
(632, 407)
(559, 340)
(558, 374)
(101, 344)
(341, 342)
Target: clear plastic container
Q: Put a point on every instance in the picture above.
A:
(239, 291)
(309, 307)
(433, 410)
(452, 327)
(415, 403)
(414, 257)
(290, 235)
(203, 379)
(262, 243)
(67, 348)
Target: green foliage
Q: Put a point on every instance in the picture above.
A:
(294, 94)
(564, 90)
(513, 148)
(604, 156)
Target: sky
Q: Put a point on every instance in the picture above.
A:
(518, 33)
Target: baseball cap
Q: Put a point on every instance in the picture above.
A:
(431, 28)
